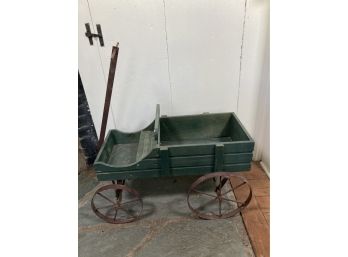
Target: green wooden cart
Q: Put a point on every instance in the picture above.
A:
(212, 145)
(171, 146)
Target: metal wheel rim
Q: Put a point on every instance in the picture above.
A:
(229, 214)
(122, 188)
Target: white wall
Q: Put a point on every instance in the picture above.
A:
(255, 45)
(191, 56)
(204, 40)
(142, 78)
(91, 70)
(253, 102)
(262, 133)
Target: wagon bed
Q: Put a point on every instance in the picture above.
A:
(177, 146)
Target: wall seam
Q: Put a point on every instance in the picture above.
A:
(241, 54)
(168, 66)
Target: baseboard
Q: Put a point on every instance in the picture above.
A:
(265, 168)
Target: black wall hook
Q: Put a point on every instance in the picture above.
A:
(90, 35)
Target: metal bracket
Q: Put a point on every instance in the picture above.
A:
(90, 35)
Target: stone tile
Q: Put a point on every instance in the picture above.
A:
(167, 227)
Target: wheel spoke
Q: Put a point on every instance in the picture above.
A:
(115, 214)
(231, 200)
(114, 210)
(221, 183)
(209, 208)
(227, 192)
(203, 193)
(135, 200)
(205, 204)
(239, 185)
(107, 206)
(220, 207)
(126, 211)
(106, 198)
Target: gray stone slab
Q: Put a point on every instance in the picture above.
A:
(193, 238)
(106, 241)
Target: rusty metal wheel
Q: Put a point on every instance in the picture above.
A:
(117, 204)
(210, 197)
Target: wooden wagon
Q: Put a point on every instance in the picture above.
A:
(212, 145)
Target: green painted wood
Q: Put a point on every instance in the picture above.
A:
(190, 150)
(238, 131)
(183, 171)
(209, 149)
(199, 170)
(157, 121)
(204, 160)
(219, 157)
(177, 162)
(154, 153)
(144, 164)
(165, 161)
(146, 144)
(195, 144)
(239, 147)
(107, 176)
(190, 127)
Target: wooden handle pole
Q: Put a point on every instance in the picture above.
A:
(112, 71)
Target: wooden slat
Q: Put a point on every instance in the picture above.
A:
(205, 160)
(233, 147)
(263, 202)
(165, 161)
(267, 216)
(261, 191)
(144, 164)
(107, 176)
(145, 145)
(199, 170)
(219, 157)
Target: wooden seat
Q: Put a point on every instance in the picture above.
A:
(146, 144)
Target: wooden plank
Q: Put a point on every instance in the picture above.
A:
(144, 164)
(239, 147)
(151, 173)
(107, 176)
(258, 183)
(191, 150)
(205, 160)
(233, 147)
(199, 170)
(263, 202)
(154, 153)
(165, 161)
(256, 215)
(219, 157)
(267, 216)
(259, 235)
(145, 145)
(261, 191)
(189, 161)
